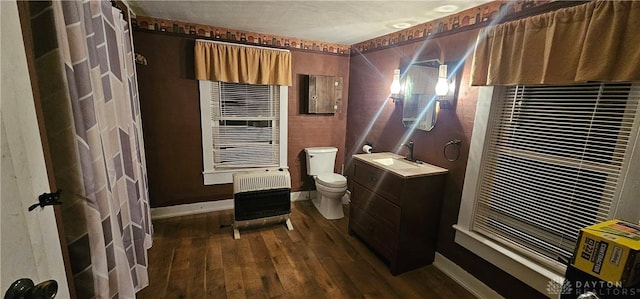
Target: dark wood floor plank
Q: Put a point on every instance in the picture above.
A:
(372, 283)
(307, 283)
(325, 280)
(259, 249)
(213, 255)
(197, 266)
(177, 284)
(234, 284)
(215, 284)
(196, 257)
(288, 276)
(270, 278)
(341, 279)
(298, 255)
(296, 251)
(272, 244)
(243, 254)
(263, 264)
(326, 234)
(160, 267)
(252, 280)
(180, 258)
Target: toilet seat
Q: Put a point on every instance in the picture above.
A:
(331, 180)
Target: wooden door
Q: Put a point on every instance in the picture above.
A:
(29, 240)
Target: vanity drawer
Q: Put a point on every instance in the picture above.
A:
(373, 232)
(376, 206)
(380, 181)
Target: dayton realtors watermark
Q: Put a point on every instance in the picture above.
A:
(578, 287)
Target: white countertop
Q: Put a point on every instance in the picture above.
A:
(396, 164)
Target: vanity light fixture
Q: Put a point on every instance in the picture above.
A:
(396, 88)
(442, 85)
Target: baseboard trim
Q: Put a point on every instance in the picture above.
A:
(302, 195)
(191, 209)
(462, 277)
(210, 206)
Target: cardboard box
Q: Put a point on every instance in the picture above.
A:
(610, 251)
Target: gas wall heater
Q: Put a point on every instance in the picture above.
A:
(261, 197)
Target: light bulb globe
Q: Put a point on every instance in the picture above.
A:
(442, 87)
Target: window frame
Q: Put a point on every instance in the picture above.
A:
(213, 176)
(518, 264)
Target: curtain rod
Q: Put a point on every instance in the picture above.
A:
(241, 45)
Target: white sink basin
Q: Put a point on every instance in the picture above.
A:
(396, 163)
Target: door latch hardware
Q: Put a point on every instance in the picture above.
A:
(47, 199)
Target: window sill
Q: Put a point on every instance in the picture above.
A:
(219, 177)
(522, 268)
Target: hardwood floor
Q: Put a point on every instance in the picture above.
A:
(192, 257)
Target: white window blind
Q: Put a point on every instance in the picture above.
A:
(552, 165)
(245, 125)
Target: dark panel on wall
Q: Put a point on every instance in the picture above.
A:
(379, 121)
(169, 100)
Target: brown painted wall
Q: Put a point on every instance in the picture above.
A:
(169, 100)
(371, 77)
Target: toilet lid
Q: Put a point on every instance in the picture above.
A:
(331, 180)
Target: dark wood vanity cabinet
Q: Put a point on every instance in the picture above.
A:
(398, 217)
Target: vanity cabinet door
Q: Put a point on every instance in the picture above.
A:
(376, 206)
(375, 233)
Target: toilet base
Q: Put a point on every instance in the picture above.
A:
(329, 208)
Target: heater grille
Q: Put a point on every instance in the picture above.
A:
(247, 181)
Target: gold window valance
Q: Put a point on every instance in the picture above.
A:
(216, 61)
(596, 41)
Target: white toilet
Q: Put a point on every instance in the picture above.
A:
(330, 186)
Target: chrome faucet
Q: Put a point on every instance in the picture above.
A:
(410, 154)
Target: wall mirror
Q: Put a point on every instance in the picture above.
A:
(421, 105)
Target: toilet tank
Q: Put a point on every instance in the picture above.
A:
(320, 159)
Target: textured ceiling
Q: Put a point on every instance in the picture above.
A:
(341, 22)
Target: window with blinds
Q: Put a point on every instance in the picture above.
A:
(552, 166)
(245, 125)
